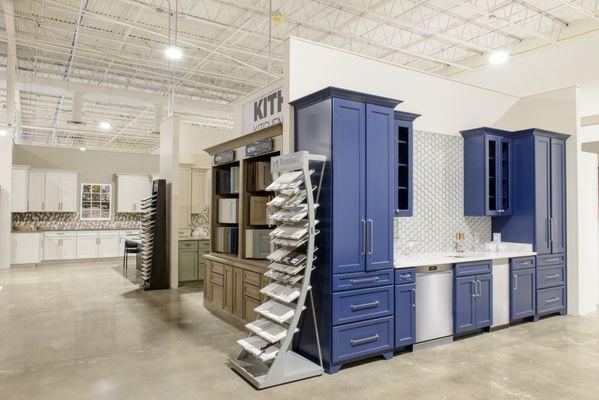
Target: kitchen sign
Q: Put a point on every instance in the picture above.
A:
(263, 112)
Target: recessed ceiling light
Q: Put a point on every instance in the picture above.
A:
(173, 53)
(3, 132)
(105, 125)
(499, 57)
(277, 17)
(82, 148)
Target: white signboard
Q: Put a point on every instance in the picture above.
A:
(263, 112)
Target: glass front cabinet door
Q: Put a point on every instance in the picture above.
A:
(487, 172)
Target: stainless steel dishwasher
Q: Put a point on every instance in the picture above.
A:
(434, 299)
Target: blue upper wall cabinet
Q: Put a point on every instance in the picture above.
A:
(357, 133)
(404, 136)
(487, 172)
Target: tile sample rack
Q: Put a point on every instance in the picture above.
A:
(267, 358)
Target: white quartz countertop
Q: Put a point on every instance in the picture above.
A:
(420, 260)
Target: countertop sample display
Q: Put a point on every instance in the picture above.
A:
(187, 238)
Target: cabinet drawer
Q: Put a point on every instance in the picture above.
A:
(217, 268)
(361, 304)
(217, 279)
(473, 268)
(552, 275)
(405, 275)
(359, 280)
(188, 245)
(252, 278)
(551, 300)
(251, 290)
(362, 339)
(551, 259)
(522, 263)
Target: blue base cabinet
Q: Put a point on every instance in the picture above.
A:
(539, 212)
(472, 297)
(522, 288)
(405, 307)
(353, 284)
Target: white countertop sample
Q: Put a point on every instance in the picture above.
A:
(420, 260)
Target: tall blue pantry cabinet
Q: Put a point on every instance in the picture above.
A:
(353, 282)
(539, 212)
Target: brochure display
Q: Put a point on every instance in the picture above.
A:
(267, 358)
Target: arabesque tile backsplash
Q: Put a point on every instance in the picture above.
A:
(438, 199)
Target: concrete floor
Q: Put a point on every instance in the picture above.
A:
(82, 331)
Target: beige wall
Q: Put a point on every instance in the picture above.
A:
(93, 166)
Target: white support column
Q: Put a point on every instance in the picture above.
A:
(77, 107)
(169, 170)
(157, 118)
(6, 146)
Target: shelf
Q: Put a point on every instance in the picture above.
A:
(282, 292)
(268, 330)
(276, 311)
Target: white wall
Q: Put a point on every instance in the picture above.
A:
(590, 262)
(194, 139)
(446, 106)
(6, 147)
(169, 170)
(566, 63)
(558, 111)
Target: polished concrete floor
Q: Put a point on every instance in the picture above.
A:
(83, 331)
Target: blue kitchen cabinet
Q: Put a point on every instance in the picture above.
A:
(356, 132)
(404, 137)
(522, 293)
(405, 315)
(539, 213)
(487, 172)
(473, 297)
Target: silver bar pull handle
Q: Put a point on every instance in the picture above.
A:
(365, 280)
(549, 224)
(365, 306)
(363, 237)
(553, 300)
(473, 288)
(552, 259)
(370, 339)
(515, 282)
(371, 247)
(552, 276)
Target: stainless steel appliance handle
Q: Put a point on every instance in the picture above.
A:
(365, 306)
(363, 237)
(371, 247)
(356, 342)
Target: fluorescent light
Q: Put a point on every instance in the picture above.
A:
(82, 148)
(173, 53)
(3, 132)
(105, 125)
(499, 57)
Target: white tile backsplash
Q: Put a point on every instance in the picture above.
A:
(438, 199)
